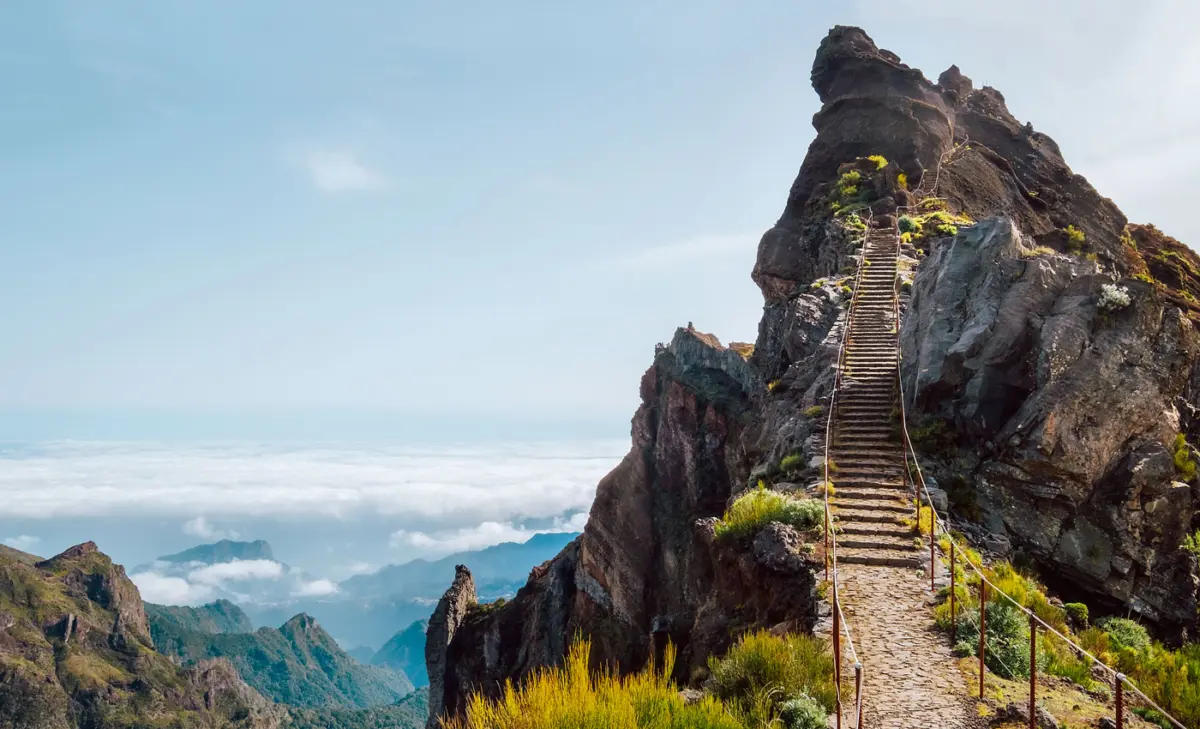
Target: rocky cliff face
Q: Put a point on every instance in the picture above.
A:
(646, 568)
(1049, 360)
(75, 650)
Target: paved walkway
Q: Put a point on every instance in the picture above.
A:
(911, 680)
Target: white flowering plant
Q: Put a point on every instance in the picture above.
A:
(1113, 297)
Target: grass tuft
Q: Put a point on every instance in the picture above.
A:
(754, 510)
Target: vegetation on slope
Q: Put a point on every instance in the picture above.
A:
(221, 616)
(761, 506)
(1169, 677)
(298, 664)
(75, 651)
(409, 713)
(763, 681)
(405, 652)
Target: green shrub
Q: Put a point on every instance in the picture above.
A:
(1125, 633)
(1075, 239)
(1077, 614)
(815, 411)
(791, 461)
(1038, 251)
(1007, 652)
(787, 666)
(760, 507)
(803, 712)
(907, 224)
(1191, 543)
(1185, 463)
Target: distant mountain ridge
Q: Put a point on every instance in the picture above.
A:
(501, 566)
(367, 610)
(221, 616)
(298, 664)
(223, 551)
(405, 651)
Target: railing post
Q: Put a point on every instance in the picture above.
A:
(827, 529)
(837, 653)
(1032, 671)
(1120, 701)
(932, 556)
(953, 623)
(982, 631)
(858, 722)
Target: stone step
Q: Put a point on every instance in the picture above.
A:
(858, 456)
(879, 558)
(847, 494)
(848, 515)
(890, 506)
(881, 541)
(891, 529)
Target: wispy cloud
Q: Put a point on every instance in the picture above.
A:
(477, 537)
(339, 171)
(199, 527)
(685, 252)
(315, 588)
(165, 590)
(23, 542)
(236, 571)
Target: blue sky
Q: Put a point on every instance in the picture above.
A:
(487, 210)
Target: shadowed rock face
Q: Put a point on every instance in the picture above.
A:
(647, 567)
(1066, 412)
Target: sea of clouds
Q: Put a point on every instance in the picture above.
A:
(426, 501)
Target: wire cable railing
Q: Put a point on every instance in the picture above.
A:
(839, 619)
(937, 524)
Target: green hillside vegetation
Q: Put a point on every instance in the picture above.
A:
(75, 651)
(406, 652)
(298, 664)
(409, 713)
(221, 616)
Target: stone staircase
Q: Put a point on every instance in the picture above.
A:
(871, 499)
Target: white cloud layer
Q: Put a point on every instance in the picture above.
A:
(166, 590)
(439, 489)
(478, 537)
(339, 171)
(199, 527)
(236, 571)
(315, 588)
(23, 542)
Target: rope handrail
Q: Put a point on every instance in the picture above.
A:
(937, 525)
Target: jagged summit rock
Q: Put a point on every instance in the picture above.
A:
(985, 162)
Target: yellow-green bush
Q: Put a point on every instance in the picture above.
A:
(763, 667)
(1185, 463)
(761, 506)
(570, 697)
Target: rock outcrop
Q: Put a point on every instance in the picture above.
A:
(647, 567)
